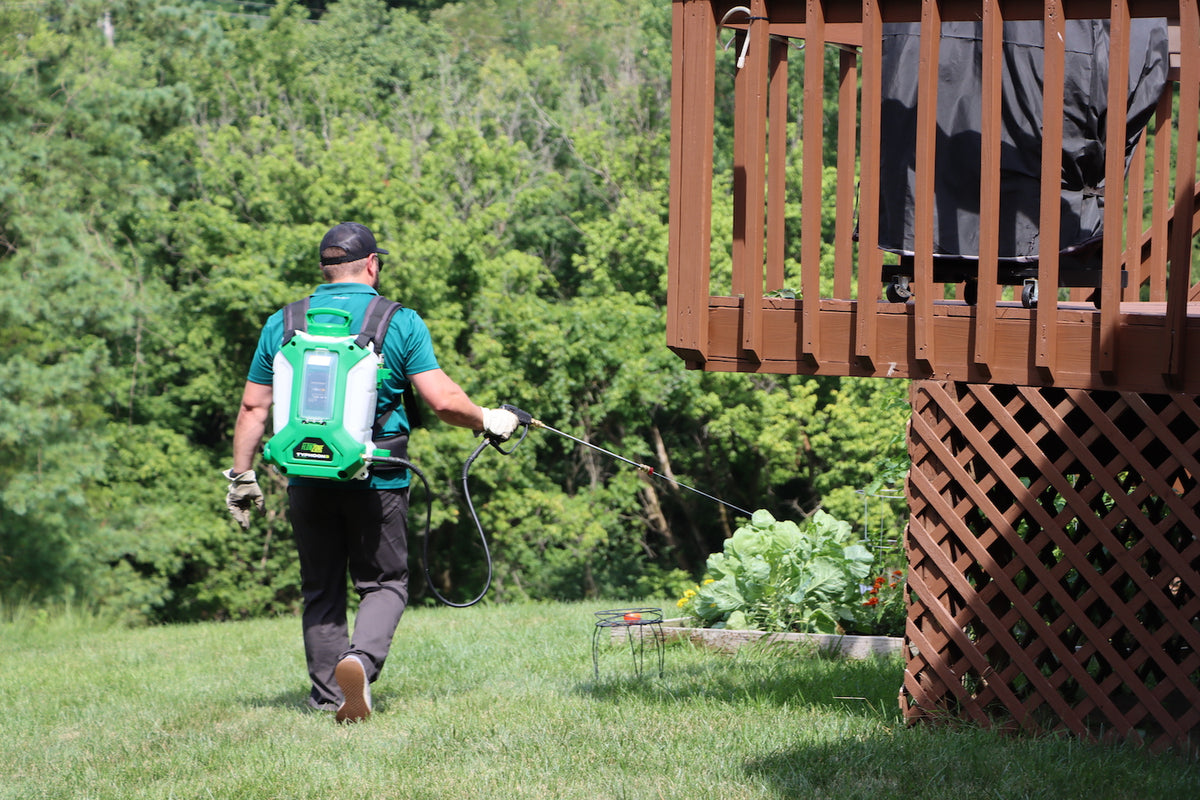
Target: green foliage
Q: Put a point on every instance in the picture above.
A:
(780, 576)
(863, 457)
(882, 609)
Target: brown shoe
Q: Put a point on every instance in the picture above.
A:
(352, 680)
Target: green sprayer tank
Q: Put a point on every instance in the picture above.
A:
(324, 390)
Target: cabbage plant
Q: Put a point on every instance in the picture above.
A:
(779, 576)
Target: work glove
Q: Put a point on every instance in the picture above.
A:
(243, 493)
(499, 423)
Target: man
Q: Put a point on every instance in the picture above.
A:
(357, 525)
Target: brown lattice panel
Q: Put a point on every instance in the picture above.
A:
(1054, 561)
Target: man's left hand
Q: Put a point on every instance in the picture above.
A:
(243, 493)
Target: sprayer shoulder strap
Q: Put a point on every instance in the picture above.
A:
(375, 326)
(295, 318)
(376, 320)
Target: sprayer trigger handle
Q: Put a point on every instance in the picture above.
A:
(523, 417)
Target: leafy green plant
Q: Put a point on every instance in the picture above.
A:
(881, 609)
(779, 576)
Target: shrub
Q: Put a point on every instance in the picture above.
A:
(779, 576)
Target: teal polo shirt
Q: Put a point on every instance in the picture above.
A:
(407, 350)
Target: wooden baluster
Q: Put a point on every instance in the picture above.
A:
(749, 178)
(1185, 193)
(1114, 183)
(870, 257)
(810, 201)
(1053, 77)
(927, 91)
(693, 40)
(989, 185)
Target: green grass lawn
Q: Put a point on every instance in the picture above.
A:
(499, 702)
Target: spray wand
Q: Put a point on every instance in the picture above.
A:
(646, 468)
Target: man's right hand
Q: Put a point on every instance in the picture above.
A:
(243, 493)
(499, 423)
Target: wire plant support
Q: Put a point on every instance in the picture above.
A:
(639, 624)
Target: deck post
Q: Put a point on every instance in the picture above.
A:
(693, 39)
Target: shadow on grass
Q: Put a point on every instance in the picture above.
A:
(297, 700)
(756, 676)
(871, 767)
(952, 762)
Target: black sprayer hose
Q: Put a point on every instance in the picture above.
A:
(404, 463)
(487, 553)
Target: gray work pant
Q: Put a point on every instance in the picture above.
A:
(339, 530)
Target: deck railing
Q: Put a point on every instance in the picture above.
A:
(1134, 334)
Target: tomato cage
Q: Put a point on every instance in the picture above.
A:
(639, 624)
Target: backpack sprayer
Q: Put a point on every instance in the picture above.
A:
(526, 421)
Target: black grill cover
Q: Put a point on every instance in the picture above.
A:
(956, 213)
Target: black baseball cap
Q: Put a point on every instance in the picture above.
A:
(357, 240)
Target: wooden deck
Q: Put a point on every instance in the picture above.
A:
(1054, 494)
(737, 325)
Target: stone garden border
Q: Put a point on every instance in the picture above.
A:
(731, 641)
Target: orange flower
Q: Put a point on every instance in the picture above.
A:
(872, 601)
(880, 581)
